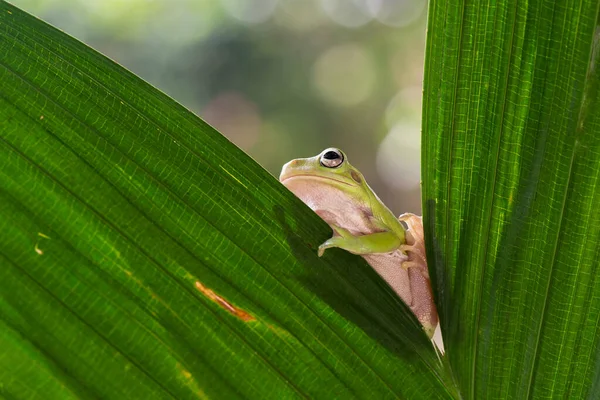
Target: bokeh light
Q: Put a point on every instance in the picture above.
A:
(344, 75)
(406, 104)
(234, 116)
(299, 15)
(251, 12)
(281, 78)
(399, 156)
(397, 12)
(349, 13)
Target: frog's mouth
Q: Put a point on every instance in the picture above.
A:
(287, 178)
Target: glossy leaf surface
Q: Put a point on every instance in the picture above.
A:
(511, 168)
(142, 255)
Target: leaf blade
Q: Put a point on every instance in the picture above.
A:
(497, 232)
(160, 261)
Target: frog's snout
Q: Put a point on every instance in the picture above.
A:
(285, 168)
(289, 168)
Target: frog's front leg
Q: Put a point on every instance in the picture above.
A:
(380, 242)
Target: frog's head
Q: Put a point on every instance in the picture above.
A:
(336, 191)
(330, 168)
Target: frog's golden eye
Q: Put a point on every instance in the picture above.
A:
(332, 158)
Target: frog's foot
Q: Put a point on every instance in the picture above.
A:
(415, 228)
(413, 251)
(415, 244)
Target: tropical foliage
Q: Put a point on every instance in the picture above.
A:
(142, 255)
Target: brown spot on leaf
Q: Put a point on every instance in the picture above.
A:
(238, 312)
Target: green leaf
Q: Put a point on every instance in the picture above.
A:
(142, 255)
(511, 194)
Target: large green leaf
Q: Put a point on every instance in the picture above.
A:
(142, 255)
(511, 194)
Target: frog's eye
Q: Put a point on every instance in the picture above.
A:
(332, 158)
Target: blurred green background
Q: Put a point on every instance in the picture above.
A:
(282, 79)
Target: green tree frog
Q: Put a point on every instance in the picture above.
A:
(363, 225)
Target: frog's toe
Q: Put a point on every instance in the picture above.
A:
(409, 264)
(321, 251)
(326, 245)
(406, 248)
(407, 216)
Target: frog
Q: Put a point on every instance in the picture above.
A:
(339, 194)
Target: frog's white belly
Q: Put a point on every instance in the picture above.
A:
(337, 210)
(388, 266)
(410, 284)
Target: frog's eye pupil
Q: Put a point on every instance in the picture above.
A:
(332, 158)
(331, 155)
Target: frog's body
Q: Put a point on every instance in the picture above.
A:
(363, 225)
